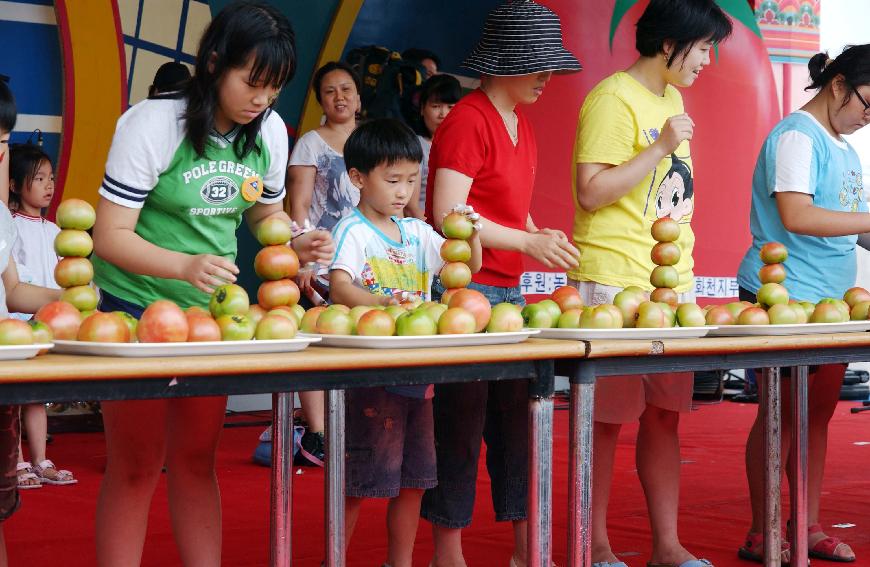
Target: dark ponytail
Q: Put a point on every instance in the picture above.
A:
(853, 64)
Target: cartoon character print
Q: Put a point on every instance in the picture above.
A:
(674, 196)
(852, 191)
(334, 195)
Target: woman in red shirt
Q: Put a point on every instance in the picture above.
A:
(484, 154)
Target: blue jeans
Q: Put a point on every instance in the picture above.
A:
(465, 414)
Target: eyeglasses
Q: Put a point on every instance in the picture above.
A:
(862, 100)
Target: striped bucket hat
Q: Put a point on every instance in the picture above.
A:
(521, 37)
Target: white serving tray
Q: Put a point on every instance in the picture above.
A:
(183, 349)
(22, 352)
(427, 341)
(626, 334)
(797, 329)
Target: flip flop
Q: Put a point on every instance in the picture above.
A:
(827, 548)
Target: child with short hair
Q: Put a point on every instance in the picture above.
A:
(18, 297)
(31, 188)
(380, 258)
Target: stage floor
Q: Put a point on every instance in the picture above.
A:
(55, 524)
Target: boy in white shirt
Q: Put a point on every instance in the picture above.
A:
(380, 259)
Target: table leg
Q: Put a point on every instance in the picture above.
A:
(335, 478)
(798, 462)
(540, 539)
(772, 467)
(580, 425)
(281, 491)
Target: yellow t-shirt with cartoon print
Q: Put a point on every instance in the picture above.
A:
(619, 119)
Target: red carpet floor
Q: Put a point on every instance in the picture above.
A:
(55, 524)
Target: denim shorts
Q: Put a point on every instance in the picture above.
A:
(389, 443)
(493, 293)
(9, 434)
(465, 415)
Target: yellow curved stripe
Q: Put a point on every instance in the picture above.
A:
(95, 92)
(333, 45)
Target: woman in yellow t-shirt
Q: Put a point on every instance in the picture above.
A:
(632, 166)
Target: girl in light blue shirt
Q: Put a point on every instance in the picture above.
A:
(808, 193)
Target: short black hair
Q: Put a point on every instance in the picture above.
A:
(418, 54)
(381, 141)
(329, 68)
(683, 22)
(853, 64)
(443, 88)
(8, 112)
(170, 77)
(24, 162)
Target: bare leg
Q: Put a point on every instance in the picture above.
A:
(35, 422)
(448, 547)
(521, 541)
(403, 517)
(313, 404)
(135, 445)
(352, 507)
(604, 438)
(658, 465)
(194, 497)
(824, 393)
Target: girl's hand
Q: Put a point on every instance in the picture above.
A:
(676, 130)
(206, 271)
(315, 246)
(303, 280)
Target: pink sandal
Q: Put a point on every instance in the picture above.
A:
(26, 476)
(827, 548)
(60, 477)
(753, 549)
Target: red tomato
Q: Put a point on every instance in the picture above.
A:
(278, 292)
(475, 302)
(162, 322)
(276, 262)
(104, 328)
(71, 272)
(202, 328)
(62, 317)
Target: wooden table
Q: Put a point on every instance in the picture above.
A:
(613, 358)
(55, 377)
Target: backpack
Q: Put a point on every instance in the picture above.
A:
(390, 85)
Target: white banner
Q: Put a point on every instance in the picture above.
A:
(544, 283)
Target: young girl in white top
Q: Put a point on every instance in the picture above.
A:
(31, 188)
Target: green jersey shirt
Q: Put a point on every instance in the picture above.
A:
(188, 204)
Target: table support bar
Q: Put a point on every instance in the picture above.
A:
(580, 427)
(798, 462)
(540, 539)
(772, 467)
(281, 490)
(334, 476)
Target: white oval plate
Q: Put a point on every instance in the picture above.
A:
(626, 334)
(183, 349)
(427, 341)
(797, 329)
(22, 352)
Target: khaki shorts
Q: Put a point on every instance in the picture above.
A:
(622, 399)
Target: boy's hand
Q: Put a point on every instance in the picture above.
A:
(206, 271)
(315, 246)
